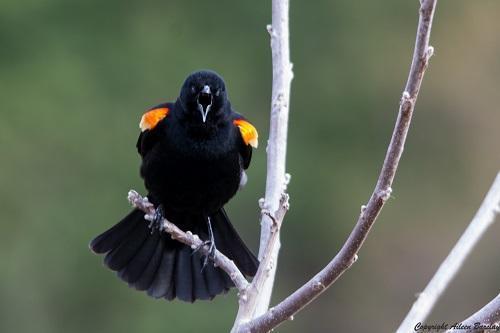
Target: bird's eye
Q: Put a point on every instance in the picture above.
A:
(217, 93)
(193, 89)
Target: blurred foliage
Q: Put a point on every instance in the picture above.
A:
(76, 75)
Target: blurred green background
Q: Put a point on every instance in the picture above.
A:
(75, 77)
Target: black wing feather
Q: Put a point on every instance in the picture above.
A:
(246, 153)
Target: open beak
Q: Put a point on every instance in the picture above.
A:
(205, 99)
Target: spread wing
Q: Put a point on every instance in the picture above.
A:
(150, 123)
(248, 138)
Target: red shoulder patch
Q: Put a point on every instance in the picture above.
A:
(151, 118)
(248, 132)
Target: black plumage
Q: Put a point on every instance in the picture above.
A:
(194, 153)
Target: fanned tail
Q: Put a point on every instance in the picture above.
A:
(165, 268)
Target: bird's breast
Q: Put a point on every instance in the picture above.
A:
(198, 176)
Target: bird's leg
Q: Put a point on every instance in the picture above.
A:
(212, 248)
(157, 222)
(211, 243)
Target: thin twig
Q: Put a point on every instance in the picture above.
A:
(188, 238)
(487, 318)
(483, 219)
(275, 203)
(348, 254)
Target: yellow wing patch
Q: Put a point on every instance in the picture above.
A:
(151, 118)
(248, 132)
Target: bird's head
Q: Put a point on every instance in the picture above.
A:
(203, 96)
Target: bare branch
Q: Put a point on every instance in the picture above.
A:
(348, 254)
(188, 238)
(275, 204)
(487, 318)
(483, 219)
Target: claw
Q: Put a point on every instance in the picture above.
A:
(157, 222)
(198, 248)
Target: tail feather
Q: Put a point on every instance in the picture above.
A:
(215, 278)
(200, 290)
(229, 242)
(184, 275)
(166, 268)
(149, 272)
(163, 280)
(216, 284)
(136, 266)
(117, 258)
(113, 237)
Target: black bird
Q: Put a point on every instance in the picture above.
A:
(194, 153)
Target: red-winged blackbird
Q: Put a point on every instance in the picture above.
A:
(194, 153)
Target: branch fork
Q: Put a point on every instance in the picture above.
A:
(349, 252)
(484, 218)
(277, 217)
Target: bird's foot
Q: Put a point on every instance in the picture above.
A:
(157, 222)
(210, 255)
(211, 245)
